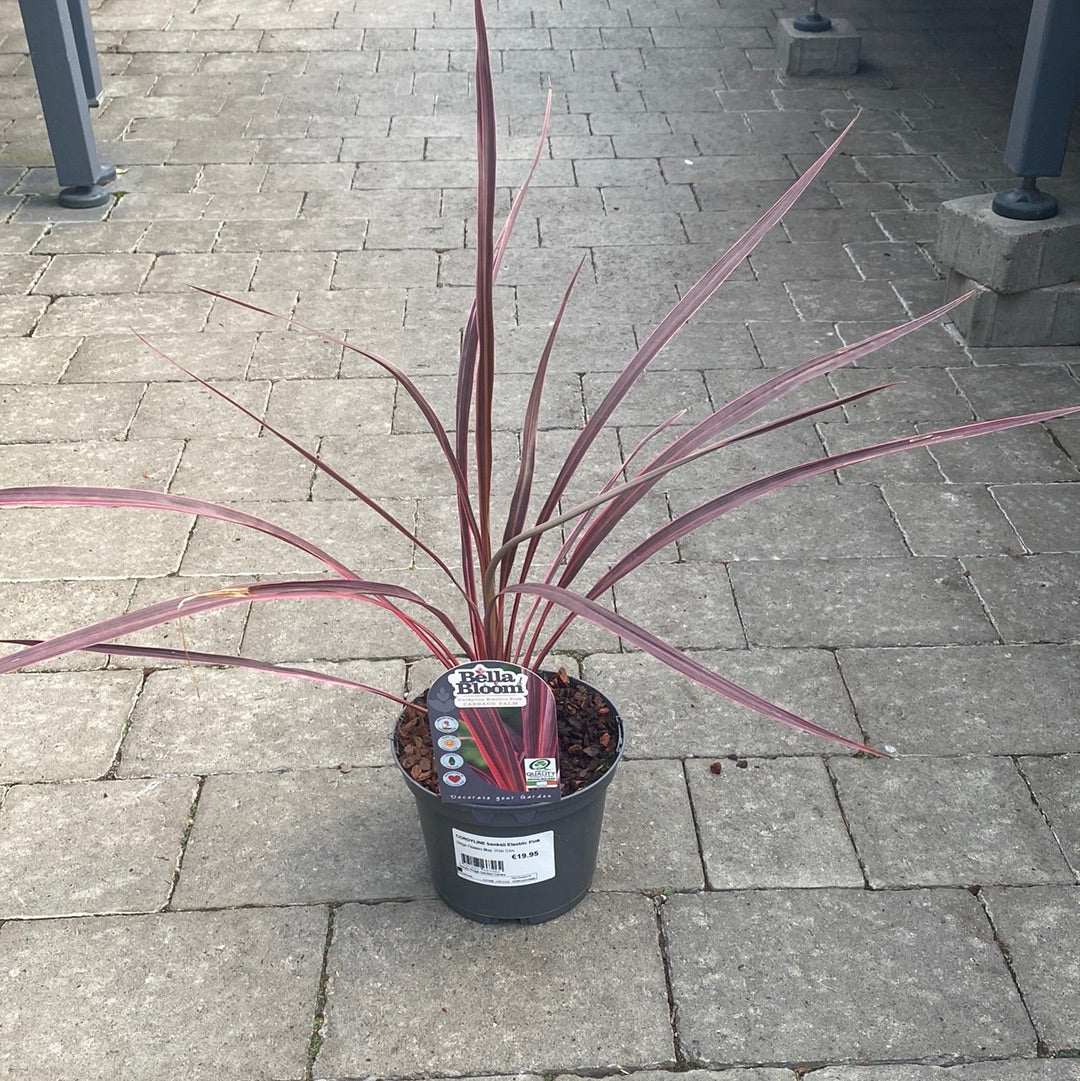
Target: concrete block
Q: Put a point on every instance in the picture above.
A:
(810, 975)
(830, 52)
(1049, 315)
(669, 716)
(91, 847)
(967, 699)
(1056, 784)
(983, 829)
(1040, 930)
(858, 602)
(1004, 255)
(648, 839)
(1008, 585)
(604, 952)
(770, 824)
(302, 837)
(228, 995)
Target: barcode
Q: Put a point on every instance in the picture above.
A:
(483, 865)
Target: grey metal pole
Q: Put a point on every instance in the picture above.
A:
(65, 67)
(1046, 94)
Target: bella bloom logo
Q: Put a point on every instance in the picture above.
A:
(483, 685)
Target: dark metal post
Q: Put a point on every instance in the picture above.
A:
(1042, 109)
(68, 79)
(813, 22)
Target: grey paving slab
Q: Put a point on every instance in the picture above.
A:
(213, 721)
(703, 616)
(1054, 782)
(96, 543)
(350, 531)
(182, 410)
(648, 841)
(802, 976)
(380, 984)
(229, 993)
(951, 519)
(302, 837)
(40, 609)
(1038, 929)
(83, 848)
(63, 413)
(34, 360)
(63, 726)
(122, 358)
(685, 720)
(966, 699)
(1019, 1069)
(767, 824)
(833, 521)
(941, 822)
(1019, 456)
(1045, 515)
(886, 602)
(242, 468)
(220, 631)
(1010, 587)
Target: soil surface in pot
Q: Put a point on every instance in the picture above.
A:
(588, 736)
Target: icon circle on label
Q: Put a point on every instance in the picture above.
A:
(454, 780)
(452, 761)
(446, 724)
(449, 743)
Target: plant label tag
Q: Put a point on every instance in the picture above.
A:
(505, 861)
(495, 735)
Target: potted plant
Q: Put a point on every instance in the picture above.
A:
(508, 852)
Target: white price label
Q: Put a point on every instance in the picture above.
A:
(505, 861)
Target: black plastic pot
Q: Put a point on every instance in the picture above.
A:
(522, 865)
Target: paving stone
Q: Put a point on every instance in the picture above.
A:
(228, 992)
(97, 543)
(63, 726)
(90, 463)
(1045, 515)
(1003, 390)
(835, 522)
(349, 531)
(1021, 1069)
(242, 468)
(946, 822)
(767, 824)
(209, 721)
(1053, 781)
(76, 849)
(35, 360)
(119, 314)
(648, 840)
(1030, 599)
(810, 975)
(888, 602)
(703, 617)
(379, 972)
(405, 463)
(123, 358)
(302, 837)
(1020, 456)
(687, 720)
(57, 414)
(1038, 930)
(951, 519)
(966, 700)
(928, 394)
(181, 410)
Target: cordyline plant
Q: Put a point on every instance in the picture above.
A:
(509, 600)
